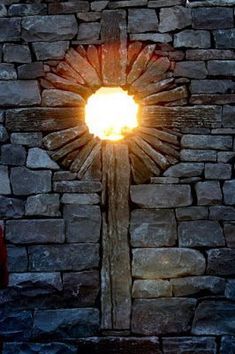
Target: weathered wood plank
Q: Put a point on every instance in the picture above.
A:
(195, 116)
(116, 170)
(141, 63)
(43, 119)
(166, 96)
(134, 49)
(114, 49)
(56, 140)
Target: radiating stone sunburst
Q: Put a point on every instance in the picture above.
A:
(149, 78)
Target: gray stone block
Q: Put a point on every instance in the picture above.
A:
(194, 285)
(16, 324)
(212, 86)
(14, 155)
(192, 39)
(153, 228)
(77, 187)
(5, 187)
(214, 318)
(221, 261)
(161, 196)
(164, 3)
(17, 259)
(154, 317)
(185, 169)
(191, 213)
(229, 233)
(99, 5)
(207, 142)
(200, 233)
(226, 213)
(68, 7)
(218, 171)
(212, 18)
(153, 37)
(27, 139)
(225, 38)
(43, 205)
(126, 3)
(75, 257)
(16, 53)
(193, 345)
(39, 158)
(198, 155)
(7, 72)
(31, 71)
(208, 193)
(150, 263)
(49, 28)
(149, 289)
(3, 11)
(173, 18)
(42, 348)
(89, 31)
(35, 231)
(19, 93)
(25, 181)
(227, 345)
(229, 192)
(230, 289)
(64, 176)
(83, 223)
(35, 284)
(11, 208)
(142, 20)
(191, 69)
(221, 67)
(65, 323)
(82, 199)
(50, 51)
(228, 116)
(10, 29)
(27, 9)
(3, 134)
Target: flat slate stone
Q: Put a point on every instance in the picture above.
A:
(200, 233)
(65, 323)
(83, 223)
(146, 19)
(220, 212)
(14, 155)
(192, 285)
(190, 345)
(16, 324)
(25, 181)
(89, 31)
(162, 316)
(191, 69)
(149, 289)
(64, 257)
(77, 187)
(191, 213)
(221, 67)
(43, 348)
(150, 263)
(11, 208)
(27, 139)
(208, 193)
(227, 345)
(153, 228)
(185, 169)
(214, 318)
(19, 93)
(79, 198)
(212, 18)
(35, 231)
(38, 158)
(192, 39)
(43, 205)
(173, 18)
(16, 53)
(161, 196)
(5, 187)
(206, 142)
(10, 29)
(221, 261)
(50, 51)
(46, 28)
(17, 259)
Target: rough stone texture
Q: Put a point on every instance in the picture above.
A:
(63, 257)
(5, 187)
(52, 51)
(17, 259)
(161, 196)
(221, 262)
(174, 18)
(89, 31)
(208, 193)
(66, 323)
(225, 38)
(30, 71)
(191, 213)
(192, 39)
(9, 29)
(7, 72)
(221, 67)
(35, 231)
(230, 289)
(227, 345)
(228, 116)
(83, 223)
(27, 139)
(25, 181)
(16, 323)
(19, 93)
(229, 192)
(47, 348)
(38, 158)
(214, 318)
(154, 317)
(191, 69)
(229, 232)
(43, 205)
(194, 345)
(77, 187)
(218, 171)
(150, 263)
(153, 228)
(16, 53)
(184, 169)
(149, 289)
(206, 142)
(193, 285)
(212, 86)
(200, 234)
(145, 19)
(35, 282)
(46, 28)
(11, 208)
(212, 18)
(14, 155)
(76, 198)
(225, 213)
(3, 134)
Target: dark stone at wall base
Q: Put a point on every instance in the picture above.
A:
(193, 345)
(214, 318)
(33, 348)
(154, 317)
(221, 261)
(16, 324)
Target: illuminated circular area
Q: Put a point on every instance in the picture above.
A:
(110, 113)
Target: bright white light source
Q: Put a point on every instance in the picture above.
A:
(110, 113)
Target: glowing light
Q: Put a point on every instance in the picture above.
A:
(110, 113)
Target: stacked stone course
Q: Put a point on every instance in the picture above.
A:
(182, 226)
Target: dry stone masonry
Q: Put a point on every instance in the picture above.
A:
(178, 284)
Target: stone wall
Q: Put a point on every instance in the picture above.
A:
(182, 226)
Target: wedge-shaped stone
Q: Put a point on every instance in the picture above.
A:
(161, 196)
(153, 228)
(162, 316)
(59, 98)
(141, 63)
(166, 96)
(151, 263)
(56, 140)
(68, 85)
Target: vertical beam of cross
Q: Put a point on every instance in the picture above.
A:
(116, 273)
